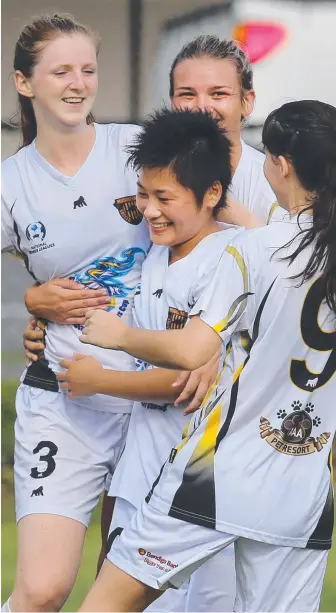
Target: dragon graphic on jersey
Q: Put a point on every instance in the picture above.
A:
(107, 273)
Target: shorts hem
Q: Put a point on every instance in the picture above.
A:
(158, 504)
(54, 511)
(131, 570)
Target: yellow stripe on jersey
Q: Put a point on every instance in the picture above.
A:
(242, 300)
(272, 209)
(200, 467)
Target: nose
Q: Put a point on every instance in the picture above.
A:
(151, 209)
(77, 81)
(203, 103)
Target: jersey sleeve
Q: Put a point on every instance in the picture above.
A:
(227, 303)
(8, 236)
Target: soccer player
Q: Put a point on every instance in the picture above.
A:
(184, 163)
(216, 75)
(240, 473)
(68, 207)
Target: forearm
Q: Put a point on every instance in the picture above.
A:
(176, 349)
(237, 214)
(154, 385)
(32, 301)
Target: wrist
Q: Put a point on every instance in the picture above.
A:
(104, 383)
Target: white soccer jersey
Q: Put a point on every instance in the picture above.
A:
(86, 228)
(259, 464)
(168, 293)
(250, 186)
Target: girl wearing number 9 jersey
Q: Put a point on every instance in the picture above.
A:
(254, 467)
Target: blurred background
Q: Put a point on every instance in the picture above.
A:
(292, 47)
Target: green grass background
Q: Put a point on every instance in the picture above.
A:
(87, 571)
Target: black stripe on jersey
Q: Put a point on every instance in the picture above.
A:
(195, 498)
(39, 374)
(234, 392)
(18, 241)
(321, 538)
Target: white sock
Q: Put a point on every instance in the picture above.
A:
(5, 608)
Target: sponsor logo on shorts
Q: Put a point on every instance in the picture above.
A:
(158, 561)
(128, 210)
(176, 319)
(295, 434)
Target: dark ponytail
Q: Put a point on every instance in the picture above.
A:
(26, 55)
(304, 132)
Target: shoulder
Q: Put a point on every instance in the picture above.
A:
(258, 244)
(118, 134)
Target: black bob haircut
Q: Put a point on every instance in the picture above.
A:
(189, 143)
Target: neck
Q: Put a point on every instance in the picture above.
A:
(67, 150)
(298, 201)
(177, 252)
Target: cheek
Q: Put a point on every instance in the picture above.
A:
(179, 103)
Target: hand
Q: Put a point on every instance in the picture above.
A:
(197, 384)
(63, 301)
(80, 376)
(32, 337)
(104, 330)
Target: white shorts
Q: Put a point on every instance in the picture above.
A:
(162, 551)
(63, 453)
(211, 588)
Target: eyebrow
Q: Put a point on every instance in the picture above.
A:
(187, 87)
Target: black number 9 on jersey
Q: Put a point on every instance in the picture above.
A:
(48, 458)
(315, 338)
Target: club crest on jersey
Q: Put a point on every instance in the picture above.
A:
(295, 434)
(176, 319)
(128, 210)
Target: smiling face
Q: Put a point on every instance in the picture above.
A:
(212, 84)
(171, 210)
(64, 82)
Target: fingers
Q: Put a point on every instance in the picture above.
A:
(181, 379)
(65, 364)
(32, 335)
(65, 387)
(197, 399)
(33, 346)
(189, 389)
(33, 357)
(79, 356)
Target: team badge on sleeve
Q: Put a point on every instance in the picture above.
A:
(294, 436)
(176, 319)
(128, 210)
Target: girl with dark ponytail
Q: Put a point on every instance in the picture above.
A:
(303, 135)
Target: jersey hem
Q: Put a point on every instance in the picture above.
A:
(222, 526)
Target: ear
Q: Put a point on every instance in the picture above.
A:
(248, 103)
(23, 84)
(284, 166)
(212, 195)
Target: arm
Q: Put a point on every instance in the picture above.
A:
(63, 301)
(85, 376)
(223, 308)
(185, 349)
(237, 214)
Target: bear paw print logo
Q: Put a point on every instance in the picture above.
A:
(316, 421)
(281, 414)
(296, 405)
(310, 408)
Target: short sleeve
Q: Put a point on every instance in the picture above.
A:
(8, 236)
(227, 303)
